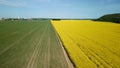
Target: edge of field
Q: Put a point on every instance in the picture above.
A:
(66, 54)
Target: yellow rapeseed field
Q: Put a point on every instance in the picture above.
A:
(90, 44)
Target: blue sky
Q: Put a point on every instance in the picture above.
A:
(58, 8)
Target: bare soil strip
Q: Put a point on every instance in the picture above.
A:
(70, 64)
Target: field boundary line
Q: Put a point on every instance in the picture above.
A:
(70, 64)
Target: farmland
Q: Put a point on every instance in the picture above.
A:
(36, 44)
(30, 44)
(90, 44)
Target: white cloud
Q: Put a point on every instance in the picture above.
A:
(13, 3)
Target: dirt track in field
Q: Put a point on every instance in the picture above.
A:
(70, 64)
(35, 53)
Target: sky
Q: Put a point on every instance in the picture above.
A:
(58, 8)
